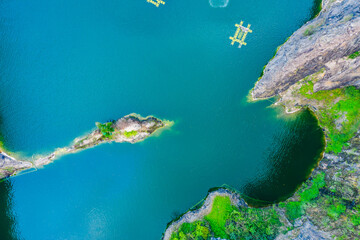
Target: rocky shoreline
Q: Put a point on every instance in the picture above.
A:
(314, 69)
(324, 42)
(198, 214)
(341, 180)
(131, 128)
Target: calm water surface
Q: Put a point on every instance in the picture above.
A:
(66, 64)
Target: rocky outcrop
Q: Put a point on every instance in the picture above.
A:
(304, 231)
(131, 128)
(9, 165)
(205, 209)
(325, 42)
(342, 174)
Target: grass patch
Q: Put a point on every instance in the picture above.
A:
(309, 31)
(130, 134)
(229, 222)
(188, 228)
(220, 212)
(196, 230)
(253, 223)
(338, 113)
(313, 191)
(354, 55)
(355, 217)
(310, 194)
(336, 210)
(334, 207)
(296, 209)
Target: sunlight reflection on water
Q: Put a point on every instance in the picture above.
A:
(219, 3)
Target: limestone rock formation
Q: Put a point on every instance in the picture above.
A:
(325, 42)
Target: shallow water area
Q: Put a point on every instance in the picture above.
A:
(66, 65)
(219, 3)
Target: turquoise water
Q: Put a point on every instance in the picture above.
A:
(65, 65)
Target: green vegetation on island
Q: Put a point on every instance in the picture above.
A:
(309, 31)
(337, 111)
(106, 128)
(130, 134)
(219, 214)
(112, 131)
(227, 221)
(328, 203)
(329, 199)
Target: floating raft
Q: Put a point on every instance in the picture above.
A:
(156, 2)
(240, 34)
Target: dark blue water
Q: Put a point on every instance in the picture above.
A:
(66, 64)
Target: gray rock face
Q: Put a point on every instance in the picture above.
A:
(325, 42)
(9, 165)
(306, 231)
(338, 73)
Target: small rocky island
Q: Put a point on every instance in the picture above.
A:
(132, 128)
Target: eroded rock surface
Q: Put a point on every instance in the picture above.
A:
(305, 231)
(325, 42)
(9, 165)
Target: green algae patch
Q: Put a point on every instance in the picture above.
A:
(338, 112)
